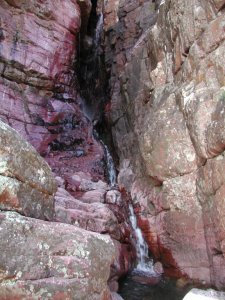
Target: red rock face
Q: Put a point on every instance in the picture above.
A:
(167, 116)
(37, 51)
(39, 98)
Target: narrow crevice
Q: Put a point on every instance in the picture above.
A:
(93, 78)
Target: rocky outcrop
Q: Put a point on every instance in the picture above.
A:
(26, 181)
(94, 216)
(166, 112)
(39, 95)
(204, 294)
(45, 260)
(38, 85)
(49, 260)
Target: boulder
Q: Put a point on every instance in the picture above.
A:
(95, 196)
(26, 181)
(90, 216)
(113, 197)
(45, 260)
(197, 294)
(116, 296)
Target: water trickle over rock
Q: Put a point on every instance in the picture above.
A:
(144, 263)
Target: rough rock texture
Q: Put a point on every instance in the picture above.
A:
(46, 260)
(94, 216)
(26, 181)
(38, 85)
(39, 97)
(167, 117)
(196, 294)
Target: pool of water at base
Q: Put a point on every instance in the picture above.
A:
(132, 288)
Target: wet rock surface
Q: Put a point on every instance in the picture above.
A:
(166, 113)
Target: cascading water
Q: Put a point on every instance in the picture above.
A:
(98, 31)
(144, 263)
(111, 171)
(143, 282)
(110, 166)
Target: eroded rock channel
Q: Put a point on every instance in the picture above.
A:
(111, 148)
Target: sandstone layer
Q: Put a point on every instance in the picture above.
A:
(167, 116)
(38, 84)
(39, 97)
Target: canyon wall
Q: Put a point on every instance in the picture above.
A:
(167, 100)
(44, 255)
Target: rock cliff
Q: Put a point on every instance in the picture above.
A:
(164, 59)
(164, 62)
(39, 97)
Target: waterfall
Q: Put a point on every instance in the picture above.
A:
(98, 30)
(144, 263)
(110, 166)
(111, 170)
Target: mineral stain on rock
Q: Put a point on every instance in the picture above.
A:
(155, 84)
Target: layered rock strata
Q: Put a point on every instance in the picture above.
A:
(38, 47)
(39, 97)
(167, 118)
(40, 259)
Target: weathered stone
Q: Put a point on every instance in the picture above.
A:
(26, 182)
(167, 116)
(113, 197)
(33, 95)
(95, 196)
(116, 296)
(158, 268)
(197, 294)
(52, 260)
(90, 216)
(81, 181)
(39, 98)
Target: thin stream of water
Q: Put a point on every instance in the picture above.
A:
(111, 170)
(98, 31)
(144, 263)
(143, 283)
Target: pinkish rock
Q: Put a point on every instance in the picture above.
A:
(39, 100)
(158, 267)
(124, 260)
(113, 197)
(95, 196)
(44, 260)
(60, 181)
(81, 181)
(209, 294)
(167, 117)
(90, 216)
(116, 296)
(26, 181)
